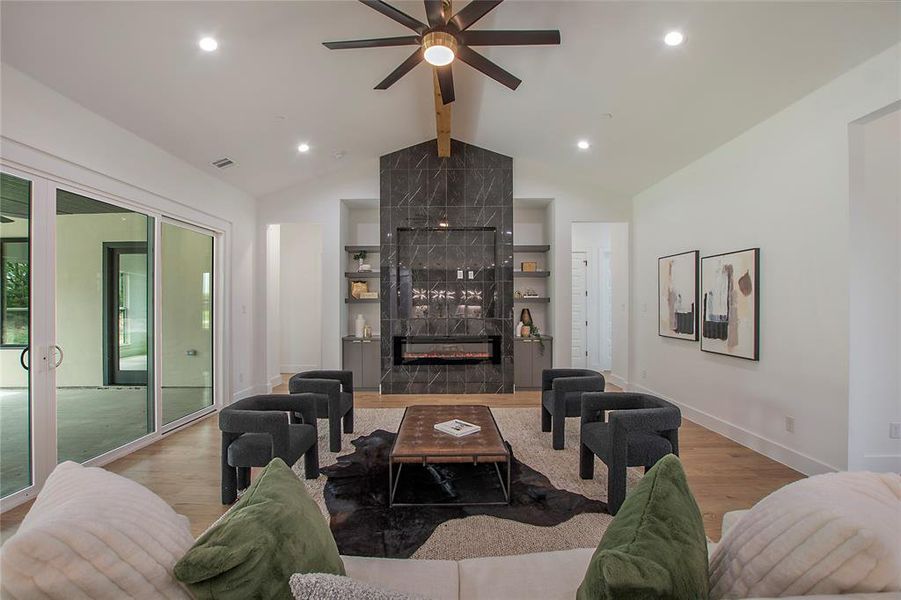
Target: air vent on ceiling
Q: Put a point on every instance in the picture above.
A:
(223, 163)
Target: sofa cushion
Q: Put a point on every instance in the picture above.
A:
(94, 534)
(540, 576)
(655, 547)
(433, 579)
(273, 531)
(321, 586)
(828, 534)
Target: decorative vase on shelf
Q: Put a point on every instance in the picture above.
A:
(519, 329)
(358, 326)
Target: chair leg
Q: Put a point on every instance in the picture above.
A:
(559, 421)
(243, 477)
(311, 462)
(229, 484)
(586, 462)
(545, 419)
(334, 434)
(616, 487)
(349, 421)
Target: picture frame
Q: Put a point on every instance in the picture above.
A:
(730, 304)
(677, 296)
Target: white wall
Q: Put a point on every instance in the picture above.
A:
(300, 304)
(783, 186)
(45, 131)
(875, 301)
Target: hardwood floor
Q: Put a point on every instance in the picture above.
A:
(183, 468)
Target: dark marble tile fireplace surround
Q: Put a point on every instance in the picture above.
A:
(446, 270)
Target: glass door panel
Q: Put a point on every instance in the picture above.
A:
(15, 333)
(187, 321)
(104, 303)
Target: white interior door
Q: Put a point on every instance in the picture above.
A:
(579, 357)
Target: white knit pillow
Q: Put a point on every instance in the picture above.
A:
(828, 534)
(92, 534)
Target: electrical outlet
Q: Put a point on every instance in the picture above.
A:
(790, 424)
(644, 374)
(894, 431)
(240, 377)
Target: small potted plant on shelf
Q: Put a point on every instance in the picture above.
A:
(536, 333)
(360, 256)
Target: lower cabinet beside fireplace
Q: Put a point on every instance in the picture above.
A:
(529, 360)
(363, 358)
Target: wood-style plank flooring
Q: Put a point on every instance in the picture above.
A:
(183, 468)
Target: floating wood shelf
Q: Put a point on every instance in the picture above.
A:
(538, 299)
(362, 274)
(531, 273)
(356, 249)
(361, 300)
(531, 248)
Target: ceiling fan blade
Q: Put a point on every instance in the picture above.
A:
(399, 16)
(511, 38)
(472, 12)
(446, 83)
(404, 68)
(405, 40)
(434, 10)
(480, 63)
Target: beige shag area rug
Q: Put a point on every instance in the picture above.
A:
(481, 535)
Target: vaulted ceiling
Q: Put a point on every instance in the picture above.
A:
(647, 109)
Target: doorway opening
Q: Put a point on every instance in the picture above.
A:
(125, 313)
(600, 298)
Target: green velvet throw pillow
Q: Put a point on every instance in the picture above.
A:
(273, 531)
(655, 548)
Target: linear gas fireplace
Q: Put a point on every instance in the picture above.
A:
(447, 350)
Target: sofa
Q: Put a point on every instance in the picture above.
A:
(540, 576)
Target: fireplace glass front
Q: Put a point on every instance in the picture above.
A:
(447, 350)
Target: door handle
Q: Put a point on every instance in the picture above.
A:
(61, 356)
(22, 358)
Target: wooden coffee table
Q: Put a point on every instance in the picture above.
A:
(419, 443)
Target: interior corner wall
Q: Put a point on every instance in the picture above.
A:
(318, 201)
(875, 302)
(783, 186)
(300, 304)
(573, 199)
(45, 131)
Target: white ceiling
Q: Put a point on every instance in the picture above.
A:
(272, 84)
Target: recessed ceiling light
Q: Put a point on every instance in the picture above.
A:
(303, 148)
(673, 38)
(583, 145)
(208, 44)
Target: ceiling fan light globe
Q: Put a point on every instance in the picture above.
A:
(439, 48)
(439, 56)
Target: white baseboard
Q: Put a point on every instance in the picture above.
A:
(881, 463)
(618, 381)
(769, 448)
(274, 381)
(253, 390)
(297, 368)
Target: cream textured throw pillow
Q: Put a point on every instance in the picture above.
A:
(92, 534)
(829, 534)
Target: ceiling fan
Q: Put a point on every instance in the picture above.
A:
(447, 37)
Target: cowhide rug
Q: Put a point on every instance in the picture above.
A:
(551, 509)
(356, 494)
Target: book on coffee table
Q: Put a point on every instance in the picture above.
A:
(457, 428)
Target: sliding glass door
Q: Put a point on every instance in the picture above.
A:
(107, 328)
(15, 333)
(104, 312)
(187, 319)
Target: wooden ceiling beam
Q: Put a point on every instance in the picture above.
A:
(442, 119)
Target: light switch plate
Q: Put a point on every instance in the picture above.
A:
(894, 431)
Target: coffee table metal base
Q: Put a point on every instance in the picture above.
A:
(394, 479)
